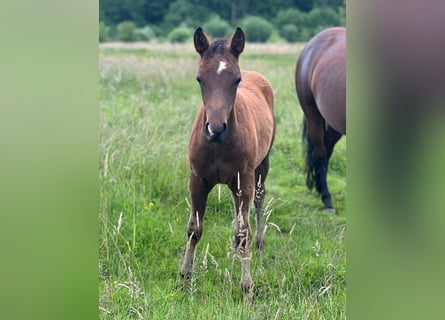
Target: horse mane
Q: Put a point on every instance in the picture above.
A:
(218, 46)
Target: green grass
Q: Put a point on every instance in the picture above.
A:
(148, 100)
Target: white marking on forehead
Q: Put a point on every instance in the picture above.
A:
(222, 66)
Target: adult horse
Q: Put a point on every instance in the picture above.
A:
(229, 144)
(320, 81)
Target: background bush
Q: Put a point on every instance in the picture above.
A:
(261, 22)
(290, 32)
(257, 29)
(184, 13)
(217, 28)
(145, 34)
(180, 35)
(103, 32)
(275, 37)
(126, 31)
(291, 16)
(322, 18)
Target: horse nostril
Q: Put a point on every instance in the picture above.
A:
(209, 129)
(215, 132)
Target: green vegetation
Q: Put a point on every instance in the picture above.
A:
(126, 31)
(179, 35)
(148, 100)
(290, 32)
(308, 17)
(217, 28)
(258, 29)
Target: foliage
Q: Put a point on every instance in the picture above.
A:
(306, 34)
(290, 16)
(165, 15)
(328, 3)
(217, 28)
(103, 32)
(307, 23)
(142, 12)
(154, 11)
(321, 18)
(180, 35)
(257, 29)
(145, 34)
(126, 31)
(148, 100)
(276, 38)
(290, 32)
(184, 13)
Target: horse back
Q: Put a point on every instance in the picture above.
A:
(255, 107)
(255, 83)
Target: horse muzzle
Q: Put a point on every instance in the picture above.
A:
(215, 132)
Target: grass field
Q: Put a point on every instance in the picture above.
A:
(148, 100)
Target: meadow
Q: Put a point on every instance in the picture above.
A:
(148, 101)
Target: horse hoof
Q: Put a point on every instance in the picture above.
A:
(183, 281)
(247, 289)
(260, 245)
(185, 276)
(329, 210)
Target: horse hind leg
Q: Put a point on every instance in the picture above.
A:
(317, 159)
(260, 193)
(331, 137)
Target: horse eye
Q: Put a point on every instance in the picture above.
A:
(198, 79)
(237, 81)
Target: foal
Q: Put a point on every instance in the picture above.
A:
(230, 143)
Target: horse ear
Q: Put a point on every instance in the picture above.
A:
(201, 41)
(237, 42)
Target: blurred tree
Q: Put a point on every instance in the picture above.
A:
(126, 31)
(165, 15)
(185, 13)
(303, 5)
(256, 28)
(328, 3)
(142, 12)
(217, 28)
(322, 17)
(290, 16)
(113, 11)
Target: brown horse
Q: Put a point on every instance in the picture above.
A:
(230, 143)
(320, 80)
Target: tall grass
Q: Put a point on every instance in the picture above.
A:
(148, 100)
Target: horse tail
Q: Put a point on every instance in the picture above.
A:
(310, 157)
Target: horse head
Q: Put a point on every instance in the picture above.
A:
(219, 76)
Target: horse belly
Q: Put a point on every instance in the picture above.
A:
(333, 110)
(264, 145)
(329, 89)
(264, 134)
(259, 98)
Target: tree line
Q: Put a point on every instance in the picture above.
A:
(266, 20)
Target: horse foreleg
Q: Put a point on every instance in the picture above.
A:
(242, 191)
(199, 191)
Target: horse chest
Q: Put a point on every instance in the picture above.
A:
(218, 165)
